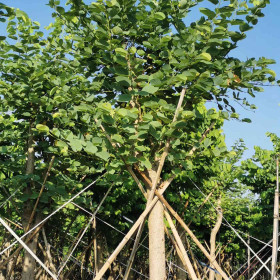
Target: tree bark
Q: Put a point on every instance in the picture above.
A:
(213, 237)
(156, 243)
(29, 264)
(157, 268)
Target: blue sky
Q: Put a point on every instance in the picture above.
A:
(263, 40)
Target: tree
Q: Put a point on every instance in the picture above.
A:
(141, 56)
(125, 83)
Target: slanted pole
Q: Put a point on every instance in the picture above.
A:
(275, 224)
(180, 244)
(191, 234)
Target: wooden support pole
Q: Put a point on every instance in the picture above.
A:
(191, 234)
(134, 249)
(113, 256)
(27, 249)
(175, 246)
(195, 266)
(189, 266)
(275, 224)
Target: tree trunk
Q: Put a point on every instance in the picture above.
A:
(156, 239)
(156, 243)
(29, 264)
(213, 238)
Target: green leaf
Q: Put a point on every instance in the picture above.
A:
(42, 128)
(118, 138)
(188, 115)
(123, 112)
(148, 89)
(141, 52)
(207, 12)
(234, 115)
(246, 120)
(245, 27)
(145, 162)
(269, 71)
(123, 80)
(159, 15)
(103, 155)
(2, 38)
(121, 51)
(188, 75)
(55, 132)
(183, 4)
(90, 148)
(207, 142)
(60, 143)
(218, 80)
(117, 30)
(204, 56)
(216, 152)
(155, 124)
(21, 14)
(154, 133)
(124, 97)
(76, 145)
(166, 39)
(132, 50)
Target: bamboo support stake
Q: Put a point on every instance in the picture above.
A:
(17, 251)
(191, 234)
(110, 260)
(198, 210)
(189, 267)
(95, 245)
(131, 259)
(175, 246)
(195, 266)
(139, 233)
(53, 213)
(134, 249)
(27, 248)
(275, 224)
